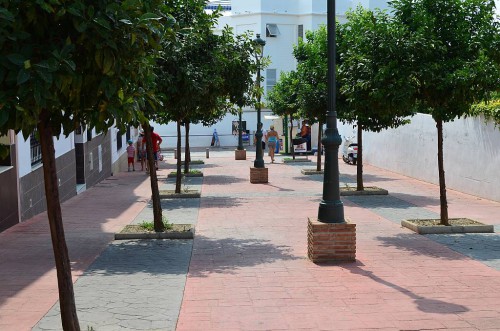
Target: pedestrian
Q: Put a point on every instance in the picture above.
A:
(156, 140)
(141, 150)
(131, 155)
(272, 139)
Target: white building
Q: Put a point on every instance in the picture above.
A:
(280, 23)
(83, 159)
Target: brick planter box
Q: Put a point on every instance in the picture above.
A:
(259, 175)
(331, 242)
(240, 154)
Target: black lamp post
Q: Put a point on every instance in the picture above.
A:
(259, 159)
(331, 209)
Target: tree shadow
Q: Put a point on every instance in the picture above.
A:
(478, 246)
(431, 306)
(414, 244)
(420, 200)
(308, 178)
(226, 255)
(221, 202)
(222, 180)
(281, 188)
(203, 256)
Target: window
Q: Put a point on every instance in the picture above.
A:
(5, 147)
(119, 142)
(36, 149)
(272, 30)
(270, 79)
(300, 32)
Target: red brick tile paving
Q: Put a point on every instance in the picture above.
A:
(249, 261)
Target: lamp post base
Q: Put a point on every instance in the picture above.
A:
(240, 154)
(259, 175)
(331, 242)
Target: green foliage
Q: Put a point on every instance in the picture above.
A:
(490, 110)
(84, 63)
(283, 98)
(457, 63)
(149, 226)
(312, 72)
(374, 74)
(200, 74)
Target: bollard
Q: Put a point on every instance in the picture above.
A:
(207, 151)
(175, 153)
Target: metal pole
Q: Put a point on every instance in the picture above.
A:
(331, 209)
(259, 160)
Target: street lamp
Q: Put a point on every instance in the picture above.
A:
(331, 209)
(259, 51)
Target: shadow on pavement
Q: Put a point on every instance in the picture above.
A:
(414, 244)
(221, 202)
(222, 180)
(432, 306)
(228, 254)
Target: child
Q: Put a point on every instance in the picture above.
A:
(131, 155)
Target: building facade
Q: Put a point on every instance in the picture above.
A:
(83, 159)
(281, 24)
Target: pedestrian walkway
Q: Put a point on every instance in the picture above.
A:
(247, 269)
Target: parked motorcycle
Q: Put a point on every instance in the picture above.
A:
(349, 151)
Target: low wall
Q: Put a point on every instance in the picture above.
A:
(471, 153)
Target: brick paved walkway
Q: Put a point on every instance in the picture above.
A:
(248, 269)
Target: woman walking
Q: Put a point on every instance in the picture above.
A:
(272, 139)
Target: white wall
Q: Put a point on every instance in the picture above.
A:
(471, 153)
(62, 145)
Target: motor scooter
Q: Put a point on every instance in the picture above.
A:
(349, 151)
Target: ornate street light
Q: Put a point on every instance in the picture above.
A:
(331, 209)
(259, 51)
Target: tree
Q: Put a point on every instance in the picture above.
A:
(63, 65)
(374, 75)
(312, 69)
(283, 98)
(201, 73)
(457, 64)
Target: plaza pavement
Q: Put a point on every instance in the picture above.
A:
(247, 268)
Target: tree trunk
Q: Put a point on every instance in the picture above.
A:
(359, 169)
(442, 183)
(187, 151)
(291, 136)
(318, 159)
(155, 192)
(178, 178)
(67, 305)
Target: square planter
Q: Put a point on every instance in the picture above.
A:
(458, 225)
(178, 231)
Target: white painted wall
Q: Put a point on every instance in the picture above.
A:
(471, 153)
(62, 145)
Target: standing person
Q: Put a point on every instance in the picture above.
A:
(131, 155)
(272, 139)
(155, 137)
(156, 140)
(141, 150)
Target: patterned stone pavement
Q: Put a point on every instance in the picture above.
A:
(247, 267)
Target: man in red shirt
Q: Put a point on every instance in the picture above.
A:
(156, 139)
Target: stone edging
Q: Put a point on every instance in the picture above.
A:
(311, 172)
(369, 190)
(187, 195)
(296, 160)
(188, 234)
(440, 229)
